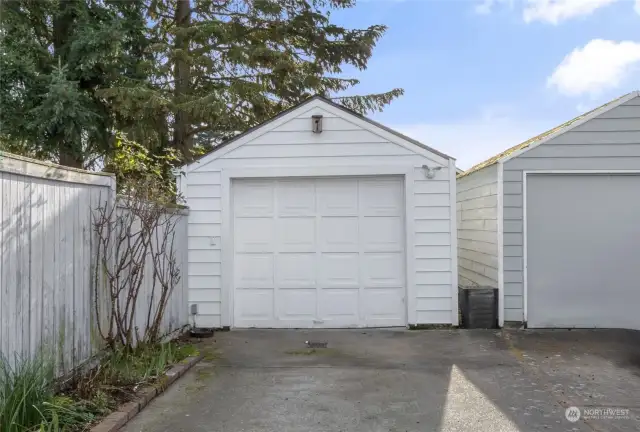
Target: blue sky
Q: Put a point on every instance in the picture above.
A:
(482, 75)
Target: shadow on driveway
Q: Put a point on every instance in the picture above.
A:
(399, 380)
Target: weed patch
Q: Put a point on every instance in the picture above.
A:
(29, 402)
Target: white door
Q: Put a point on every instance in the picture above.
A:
(319, 253)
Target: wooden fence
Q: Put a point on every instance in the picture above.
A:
(47, 259)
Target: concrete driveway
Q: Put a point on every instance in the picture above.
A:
(399, 380)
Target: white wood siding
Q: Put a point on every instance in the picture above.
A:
(477, 215)
(610, 141)
(342, 143)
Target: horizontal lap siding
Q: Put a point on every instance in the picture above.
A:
(203, 195)
(342, 143)
(609, 142)
(432, 248)
(477, 214)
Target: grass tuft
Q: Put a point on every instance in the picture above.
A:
(144, 364)
(25, 388)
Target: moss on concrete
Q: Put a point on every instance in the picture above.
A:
(312, 351)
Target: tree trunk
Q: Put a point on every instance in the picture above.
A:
(69, 158)
(62, 24)
(182, 76)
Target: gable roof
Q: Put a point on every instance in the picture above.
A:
(333, 104)
(550, 134)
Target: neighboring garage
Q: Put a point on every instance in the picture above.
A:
(554, 223)
(321, 218)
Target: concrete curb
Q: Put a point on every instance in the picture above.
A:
(127, 411)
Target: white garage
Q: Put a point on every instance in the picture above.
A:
(321, 218)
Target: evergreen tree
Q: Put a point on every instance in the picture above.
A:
(223, 66)
(168, 73)
(55, 58)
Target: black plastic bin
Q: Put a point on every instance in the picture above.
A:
(478, 307)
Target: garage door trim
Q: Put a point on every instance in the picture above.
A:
(227, 240)
(524, 217)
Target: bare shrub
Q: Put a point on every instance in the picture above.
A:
(135, 235)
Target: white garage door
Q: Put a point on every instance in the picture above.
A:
(583, 250)
(319, 252)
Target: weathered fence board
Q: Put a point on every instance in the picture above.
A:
(47, 260)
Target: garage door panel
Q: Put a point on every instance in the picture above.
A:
(383, 306)
(383, 270)
(296, 270)
(297, 304)
(381, 198)
(582, 247)
(254, 235)
(253, 198)
(254, 271)
(337, 197)
(340, 305)
(339, 270)
(382, 234)
(296, 198)
(296, 234)
(254, 304)
(339, 234)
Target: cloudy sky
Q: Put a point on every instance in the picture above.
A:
(483, 75)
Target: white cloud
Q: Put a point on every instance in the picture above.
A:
(598, 66)
(472, 141)
(555, 11)
(485, 7)
(549, 11)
